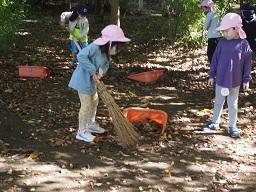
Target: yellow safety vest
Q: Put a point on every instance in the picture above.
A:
(77, 33)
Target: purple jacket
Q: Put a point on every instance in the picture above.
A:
(231, 63)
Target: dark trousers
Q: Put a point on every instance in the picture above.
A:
(212, 44)
(252, 42)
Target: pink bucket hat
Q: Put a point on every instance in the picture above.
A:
(206, 3)
(232, 20)
(111, 33)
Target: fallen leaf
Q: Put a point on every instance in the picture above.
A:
(9, 172)
(167, 173)
(246, 132)
(33, 156)
(8, 90)
(145, 104)
(163, 136)
(10, 190)
(104, 158)
(97, 139)
(206, 110)
(123, 154)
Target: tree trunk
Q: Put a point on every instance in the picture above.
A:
(241, 2)
(115, 12)
(70, 4)
(140, 5)
(101, 8)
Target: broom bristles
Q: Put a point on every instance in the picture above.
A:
(124, 129)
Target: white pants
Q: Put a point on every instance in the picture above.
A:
(88, 109)
(232, 100)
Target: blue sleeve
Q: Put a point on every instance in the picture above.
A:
(105, 67)
(247, 64)
(207, 21)
(84, 60)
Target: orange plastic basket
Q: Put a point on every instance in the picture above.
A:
(147, 77)
(33, 71)
(137, 114)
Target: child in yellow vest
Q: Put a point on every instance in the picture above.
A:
(78, 27)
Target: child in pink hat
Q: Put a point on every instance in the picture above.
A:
(230, 69)
(93, 64)
(210, 25)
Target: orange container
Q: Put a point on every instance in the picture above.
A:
(147, 77)
(33, 71)
(137, 114)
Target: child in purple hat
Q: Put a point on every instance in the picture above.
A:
(231, 69)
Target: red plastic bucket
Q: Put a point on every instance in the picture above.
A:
(137, 114)
(33, 71)
(147, 77)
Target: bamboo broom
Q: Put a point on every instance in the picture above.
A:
(124, 129)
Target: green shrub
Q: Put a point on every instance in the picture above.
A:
(11, 14)
(187, 18)
(222, 6)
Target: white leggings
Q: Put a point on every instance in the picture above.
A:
(88, 109)
(232, 100)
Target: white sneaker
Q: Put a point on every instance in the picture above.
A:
(84, 135)
(94, 128)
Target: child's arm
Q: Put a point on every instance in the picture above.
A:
(84, 28)
(214, 65)
(210, 82)
(207, 21)
(84, 60)
(104, 67)
(63, 19)
(71, 28)
(247, 65)
(214, 62)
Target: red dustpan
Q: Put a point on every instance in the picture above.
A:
(137, 114)
(147, 77)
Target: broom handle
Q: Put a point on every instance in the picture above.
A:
(77, 45)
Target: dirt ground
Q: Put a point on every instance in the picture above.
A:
(38, 122)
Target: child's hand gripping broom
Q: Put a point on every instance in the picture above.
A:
(124, 129)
